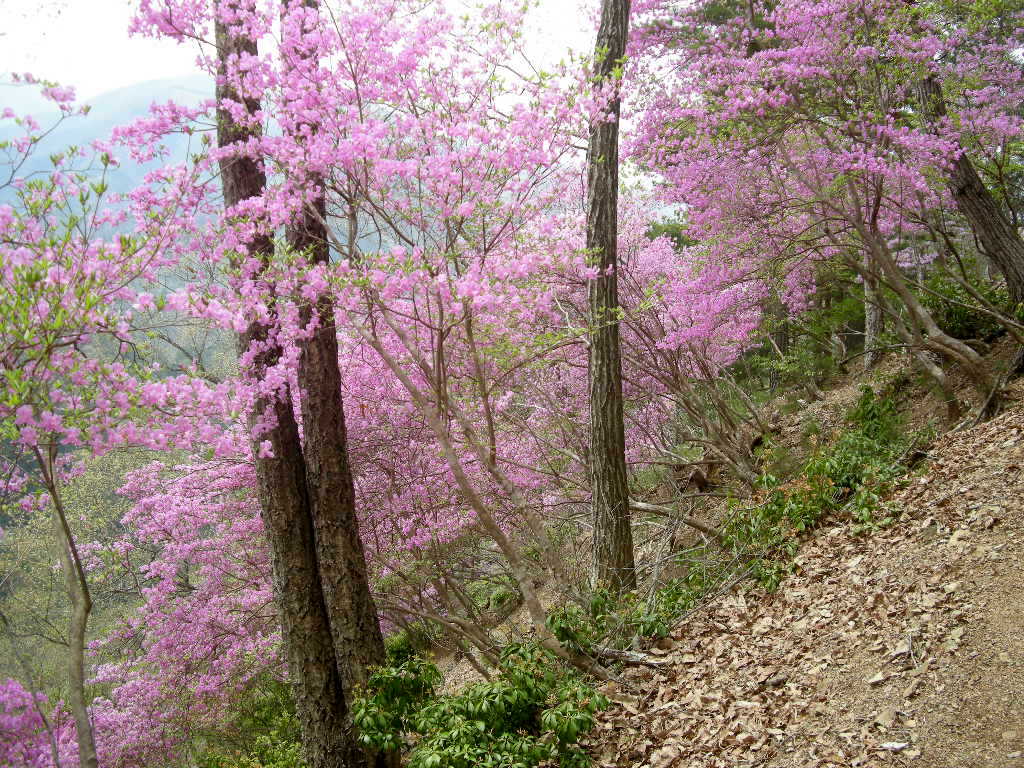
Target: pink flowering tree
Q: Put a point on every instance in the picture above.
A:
(29, 738)
(456, 261)
(440, 173)
(792, 134)
(416, 216)
(359, 149)
(79, 268)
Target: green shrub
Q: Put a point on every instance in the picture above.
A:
(964, 322)
(678, 595)
(395, 696)
(534, 710)
(853, 472)
(808, 354)
(408, 643)
(877, 418)
(268, 733)
(496, 594)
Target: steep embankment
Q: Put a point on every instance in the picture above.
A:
(903, 647)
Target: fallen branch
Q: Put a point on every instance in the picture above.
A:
(631, 657)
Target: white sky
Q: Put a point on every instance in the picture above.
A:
(85, 43)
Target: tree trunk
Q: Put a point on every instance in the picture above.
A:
(358, 642)
(873, 317)
(81, 606)
(284, 499)
(776, 311)
(926, 333)
(613, 565)
(355, 628)
(998, 237)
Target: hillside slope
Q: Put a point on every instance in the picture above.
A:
(903, 647)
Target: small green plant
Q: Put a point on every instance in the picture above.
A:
(534, 710)
(397, 695)
(678, 595)
(496, 594)
(877, 418)
(869, 513)
(770, 573)
(408, 643)
(852, 473)
(574, 629)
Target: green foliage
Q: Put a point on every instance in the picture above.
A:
(805, 339)
(607, 619)
(616, 620)
(949, 310)
(534, 710)
(876, 418)
(397, 694)
(265, 733)
(679, 595)
(496, 593)
(407, 643)
(33, 596)
(674, 229)
(853, 473)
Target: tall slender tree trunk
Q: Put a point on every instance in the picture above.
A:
(613, 565)
(284, 498)
(873, 317)
(779, 340)
(351, 612)
(355, 627)
(81, 606)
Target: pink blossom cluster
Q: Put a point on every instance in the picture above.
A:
(458, 275)
(789, 129)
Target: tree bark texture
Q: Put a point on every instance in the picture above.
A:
(873, 317)
(613, 565)
(351, 612)
(355, 629)
(283, 495)
(358, 643)
(998, 237)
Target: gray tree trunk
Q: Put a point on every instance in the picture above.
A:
(999, 239)
(873, 317)
(355, 627)
(613, 565)
(81, 606)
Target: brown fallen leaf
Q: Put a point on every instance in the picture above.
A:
(887, 717)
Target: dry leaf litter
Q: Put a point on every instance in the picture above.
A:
(905, 647)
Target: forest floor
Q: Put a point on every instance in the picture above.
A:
(900, 647)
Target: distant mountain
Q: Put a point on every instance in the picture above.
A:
(108, 111)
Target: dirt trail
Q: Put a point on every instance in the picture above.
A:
(905, 647)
